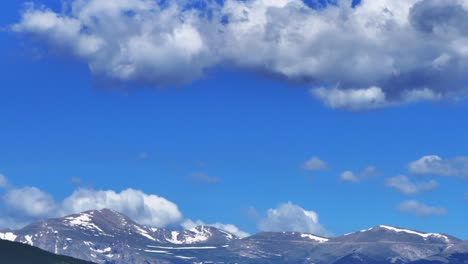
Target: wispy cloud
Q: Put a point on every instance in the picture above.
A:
(3, 181)
(405, 185)
(204, 177)
(315, 164)
(420, 209)
(436, 165)
(368, 172)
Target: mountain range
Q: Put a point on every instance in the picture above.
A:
(108, 237)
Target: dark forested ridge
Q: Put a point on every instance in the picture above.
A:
(18, 253)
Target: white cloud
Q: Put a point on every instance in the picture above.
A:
(3, 181)
(291, 217)
(368, 172)
(24, 205)
(406, 186)
(230, 228)
(370, 98)
(435, 165)
(420, 209)
(61, 31)
(424, 94)
(205, 177)
(147, 209)
(352, 99)
(349, 176)
(348, 51)
(30, 202)
(315, 164)
(155, 45)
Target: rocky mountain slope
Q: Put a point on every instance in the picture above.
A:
(106, 236)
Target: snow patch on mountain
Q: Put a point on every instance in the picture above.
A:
(200, 234)
(106, 250)
(424, 235)
(29, 240)
(183, 248)
(83, 220)
(192, 236)
(315, 238)
(144, 233)
(8, 236)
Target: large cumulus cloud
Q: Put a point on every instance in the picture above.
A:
(379, 53)
(292, 218)
(27, 204)
(21, 206)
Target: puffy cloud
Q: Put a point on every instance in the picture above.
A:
(131, 40)
(30, 202)
(315, 164)
(420, 209)
(291, 217)
(3, 181)
(204, 177)
(350, 176)
(352, 99)
(230, 228)
(406, 186)
(147, 209)
(24, 205)
(350, 52)
(435, 165)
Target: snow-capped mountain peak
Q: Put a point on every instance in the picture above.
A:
(423, 235)
(83, 220)
(391, 233)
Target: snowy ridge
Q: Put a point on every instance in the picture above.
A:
(315, 238)
(424, 235)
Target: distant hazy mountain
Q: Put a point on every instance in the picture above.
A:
(17, 253)
(106, 236)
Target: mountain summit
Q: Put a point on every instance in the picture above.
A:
(106, 236)
(387, 233)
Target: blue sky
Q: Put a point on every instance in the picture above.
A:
(229, 145)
